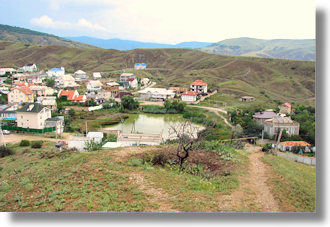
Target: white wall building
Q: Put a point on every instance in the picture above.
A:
(198, 86)
(56, 72)
(97, 76)
(189, 96)
(94, 85)
(95, 136)
(159, 94)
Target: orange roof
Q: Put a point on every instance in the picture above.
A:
(189, 93)
(67, 93)
(198, 83)
(286, 104)
(79, 98)
(21, 84)
(25, 90)
(295, 143)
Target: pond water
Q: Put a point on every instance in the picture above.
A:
(153, 124)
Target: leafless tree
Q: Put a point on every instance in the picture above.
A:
(187, 136)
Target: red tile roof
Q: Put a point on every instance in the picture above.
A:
(25, 90)
(286, 104)
(198, 83)
(130, 79)
(23, 84)
(189, 93)
(67, 93)
(79, 98)
(295, 143)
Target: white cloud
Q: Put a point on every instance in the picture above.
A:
(173, 21)
(47, 22)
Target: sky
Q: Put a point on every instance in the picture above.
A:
(164, 21)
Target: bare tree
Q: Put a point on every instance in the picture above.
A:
(187, 136)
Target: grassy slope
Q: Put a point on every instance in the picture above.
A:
(293, 184)
(285, 80)
(16, 34)
(102, 182)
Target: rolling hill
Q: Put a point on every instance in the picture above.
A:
(295, 49)
(269, 79)
(17, 34)
(120, 44)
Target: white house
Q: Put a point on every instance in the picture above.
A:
(95, 136)
(94, 85)
(80, 75)
(145, 81)
(3, 71)
(29, 68)
(97, 76)
(133, 83)
(126, 76)
(139, 66)
(159, 94)
(189, 96)
(198, 86)
(78, 143)
(56, 72)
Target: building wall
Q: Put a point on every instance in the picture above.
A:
(188, 98)
(198, 89)
(16, 96)
(33, 120)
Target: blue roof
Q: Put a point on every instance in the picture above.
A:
(56, 69)
(143, 64)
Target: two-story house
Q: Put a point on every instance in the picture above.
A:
(32, 115)
(21, 94)
(126, 76)
(198, 86)
(29, 68)
(94, 85)
(65, 81)
(56, 72)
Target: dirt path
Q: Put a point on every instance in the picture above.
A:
(253, 190)
(16, 138)
(216, 111)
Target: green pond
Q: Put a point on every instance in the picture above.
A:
(152, 124)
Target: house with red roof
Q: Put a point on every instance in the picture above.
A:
(198, 86)
(21, 94)
(292, 145)
(71, 95)
(189, 96)
(285, 108)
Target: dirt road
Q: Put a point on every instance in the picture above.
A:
(16, 138)
(216, 111)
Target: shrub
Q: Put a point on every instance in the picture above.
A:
(159, 159)
(5, 151)
(24, 143)
(36, 144)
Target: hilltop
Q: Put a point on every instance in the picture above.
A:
(23, 35)
(296, 49)
(120, 44)
(267, 79)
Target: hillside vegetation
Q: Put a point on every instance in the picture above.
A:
(296, 49)
(23, 35)
(270, 79)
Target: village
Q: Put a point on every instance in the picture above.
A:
(36, 102)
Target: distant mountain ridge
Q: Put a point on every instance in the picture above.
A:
(121, 44)
(23, 35)
(295, 49)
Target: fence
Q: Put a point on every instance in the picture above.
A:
(92, 108)
(15, 128)
(298, 158)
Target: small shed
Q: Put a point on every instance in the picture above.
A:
(247, 99)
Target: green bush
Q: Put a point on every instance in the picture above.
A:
(24, 143)
(5, 151)
(36, 144)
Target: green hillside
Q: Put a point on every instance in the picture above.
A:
(16, 34)
(276, 48)
(264, 78)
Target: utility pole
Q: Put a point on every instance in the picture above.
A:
(86, 128)
(279, 139)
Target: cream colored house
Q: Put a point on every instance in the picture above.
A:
(48, 101)
(273, 126)
(32, 115)
(42, 90)
(189, 96)
(20, 95)
(65, 81)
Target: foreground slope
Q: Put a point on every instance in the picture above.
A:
(269, 79)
